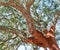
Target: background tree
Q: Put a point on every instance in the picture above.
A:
(25, 22)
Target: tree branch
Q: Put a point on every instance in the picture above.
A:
(12, 30)
(29, 3)
(26, 15)
(24, 12)
(36, 34)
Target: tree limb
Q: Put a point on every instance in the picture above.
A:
(13, 30)
(29, 3)
(24, 12)
(26, 15)
(36, 34)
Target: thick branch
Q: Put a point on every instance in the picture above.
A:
(27, 16)
(29, 3)
(24, 12)
(36, 34)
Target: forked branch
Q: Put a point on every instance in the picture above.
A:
(24, 12)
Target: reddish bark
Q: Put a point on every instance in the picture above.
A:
(51, 38)
(32, 40)
(51, 32)
(40, 40)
